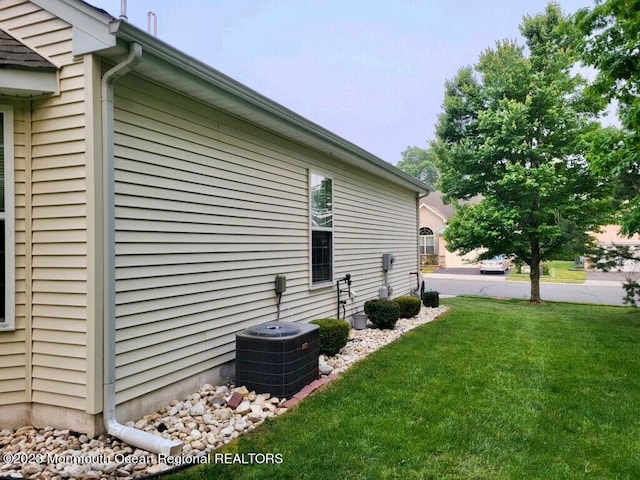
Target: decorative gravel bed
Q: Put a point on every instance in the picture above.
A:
(204, 421)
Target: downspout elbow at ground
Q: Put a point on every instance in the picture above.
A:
(133, 436)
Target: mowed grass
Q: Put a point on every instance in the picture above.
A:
(563, 273)
(491, 390)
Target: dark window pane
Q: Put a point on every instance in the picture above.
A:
(1, 162)
(2, 274)
(321, 256)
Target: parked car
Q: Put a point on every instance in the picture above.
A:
(499, 263)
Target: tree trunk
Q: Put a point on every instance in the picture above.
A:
(534, 275)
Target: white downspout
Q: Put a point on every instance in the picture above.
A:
(133, 436)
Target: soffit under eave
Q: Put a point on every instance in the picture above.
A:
(90, 25)
(19, 82)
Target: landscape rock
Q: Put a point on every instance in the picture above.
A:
(198, 409)
(223, 414)
(324, 369)
(243, 408)
(205, 420)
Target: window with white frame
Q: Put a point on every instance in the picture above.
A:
(427, 241)
(321, 206)
(7, 236)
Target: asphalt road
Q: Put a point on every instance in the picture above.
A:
(601, 291)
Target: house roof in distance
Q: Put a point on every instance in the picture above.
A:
(434, 200)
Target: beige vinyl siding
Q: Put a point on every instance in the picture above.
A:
(374, 218)
(60, 244)
(56, 215)
(38, 29)
(208, 211)
(429, 218)
(14, 345)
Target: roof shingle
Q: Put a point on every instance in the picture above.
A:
(15, 54)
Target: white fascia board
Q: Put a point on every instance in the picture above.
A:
(90, 26)
(23, 82)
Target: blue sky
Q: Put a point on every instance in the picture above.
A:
(371, 71)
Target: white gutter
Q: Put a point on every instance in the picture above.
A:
(133, 436)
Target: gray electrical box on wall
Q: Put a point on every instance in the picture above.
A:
(281, 284)
(387, 261)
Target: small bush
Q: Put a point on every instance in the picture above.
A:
(431, 298)
(429, 259)
(334, 334)
(409, 306)
(384, 313)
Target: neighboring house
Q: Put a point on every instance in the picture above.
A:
(610, 235)
(149, 203)
(434, 216)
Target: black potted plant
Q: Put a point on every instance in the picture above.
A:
(431, 298)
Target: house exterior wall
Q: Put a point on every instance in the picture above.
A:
(14, 358)
(610, 235)
(208, 210)
(432, 218)
(454, 260)
(436, 222)
(46, 357)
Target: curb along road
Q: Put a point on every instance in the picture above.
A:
(503, 278)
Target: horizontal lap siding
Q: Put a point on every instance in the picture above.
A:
(208, 211)
(57, 214)
(373, 218)
(59, 226)
(202, 227)
(13, 347)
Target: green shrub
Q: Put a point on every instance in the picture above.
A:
(431, 298)
(384, 313)
(334, 334)
(429, 259)
(409, 306)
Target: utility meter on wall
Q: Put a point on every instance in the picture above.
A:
(387, 261)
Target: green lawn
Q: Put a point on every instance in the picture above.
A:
(492, 390)
(563, 273)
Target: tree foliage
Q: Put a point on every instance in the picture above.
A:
(512, 130)
(420, 163)
(610, 42)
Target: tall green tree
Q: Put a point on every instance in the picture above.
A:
(610, 42)
(512, 130)
(420, 163)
